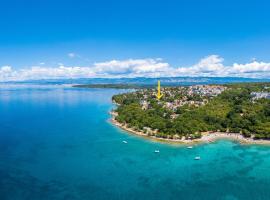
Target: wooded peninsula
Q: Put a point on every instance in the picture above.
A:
(188, 112)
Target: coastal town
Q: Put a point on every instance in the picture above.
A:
(189, 112)
(260, 95)
(177, 97)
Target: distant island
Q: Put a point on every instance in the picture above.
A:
(198, 113)
(113, 86)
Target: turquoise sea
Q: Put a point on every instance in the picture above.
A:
(56, 143)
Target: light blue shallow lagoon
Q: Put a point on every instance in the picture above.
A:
(56, 143)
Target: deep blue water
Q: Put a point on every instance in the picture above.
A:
(56, 143)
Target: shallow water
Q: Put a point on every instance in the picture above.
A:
(56, 143)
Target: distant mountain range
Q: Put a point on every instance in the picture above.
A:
(166, 81)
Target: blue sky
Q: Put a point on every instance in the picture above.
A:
(53, 33)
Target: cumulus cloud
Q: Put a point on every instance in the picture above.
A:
(207, 66)
(110, 69)
(210, 66)
(254, 67)
(133, 67)
(6, 73)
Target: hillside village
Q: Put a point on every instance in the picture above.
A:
(173, 98)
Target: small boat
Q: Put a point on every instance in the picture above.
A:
(125, 142)
(190, 147)
(197, 158)
(156, 151)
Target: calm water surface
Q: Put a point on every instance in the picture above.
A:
(56, 143)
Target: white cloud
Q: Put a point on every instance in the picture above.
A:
(131, 67)
(71, 55)
(6, 73)
(211, 66)
(207, 66)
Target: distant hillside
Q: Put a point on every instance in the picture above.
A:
(113, 86)
(165, 81)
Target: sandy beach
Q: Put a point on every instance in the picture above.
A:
(207, 137)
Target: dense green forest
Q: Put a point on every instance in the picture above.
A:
(234, 110)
